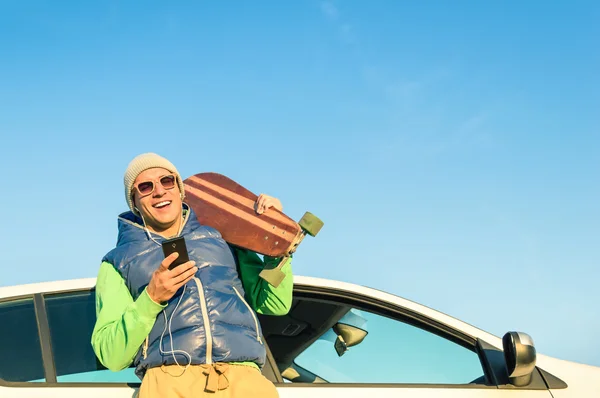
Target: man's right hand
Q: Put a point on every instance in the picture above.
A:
(165, 282)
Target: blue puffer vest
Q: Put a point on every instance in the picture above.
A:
(213, 322)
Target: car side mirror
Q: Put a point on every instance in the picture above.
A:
(520, 357)
(347, 336)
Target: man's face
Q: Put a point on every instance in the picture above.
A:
(158, 199)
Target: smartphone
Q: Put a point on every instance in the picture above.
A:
(171, 246)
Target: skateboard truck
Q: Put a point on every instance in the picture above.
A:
(311, 225)
(274, 275)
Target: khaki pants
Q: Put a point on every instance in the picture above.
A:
(218, 380)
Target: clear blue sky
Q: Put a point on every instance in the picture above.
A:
(450, 147)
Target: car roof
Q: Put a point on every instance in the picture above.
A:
(299, 280)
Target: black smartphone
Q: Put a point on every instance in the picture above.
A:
(171, 246)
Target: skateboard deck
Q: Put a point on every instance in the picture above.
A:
(225, 205)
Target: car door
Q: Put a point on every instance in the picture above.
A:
(396, 352)
(46, 351)
(45, 346)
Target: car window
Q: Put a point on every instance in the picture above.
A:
(388, 351)
(71, 318)
(19, 342)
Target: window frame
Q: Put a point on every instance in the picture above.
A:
(491, 366)
(40, 319)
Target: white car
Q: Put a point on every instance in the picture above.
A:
(339, 339)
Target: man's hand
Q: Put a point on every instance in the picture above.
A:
(265, 202)
(165, 282)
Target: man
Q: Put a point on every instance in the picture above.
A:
(192, 330)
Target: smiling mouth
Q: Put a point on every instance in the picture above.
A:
(162, 205)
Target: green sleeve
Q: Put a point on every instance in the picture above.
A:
(262, 296)
(121, 323)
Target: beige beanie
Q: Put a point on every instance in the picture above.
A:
(143, 162)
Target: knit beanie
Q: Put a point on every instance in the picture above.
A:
(143, 162)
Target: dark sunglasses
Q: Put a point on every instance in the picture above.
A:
(147, 187)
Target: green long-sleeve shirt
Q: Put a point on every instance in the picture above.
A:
(123, 324)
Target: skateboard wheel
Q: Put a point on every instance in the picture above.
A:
(310, 223)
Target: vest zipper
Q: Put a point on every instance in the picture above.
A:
(251, 312)
(206, 321)
(145, 348)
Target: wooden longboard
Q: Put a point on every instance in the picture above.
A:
(225, 205)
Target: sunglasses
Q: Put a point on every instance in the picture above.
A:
(147, 187)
